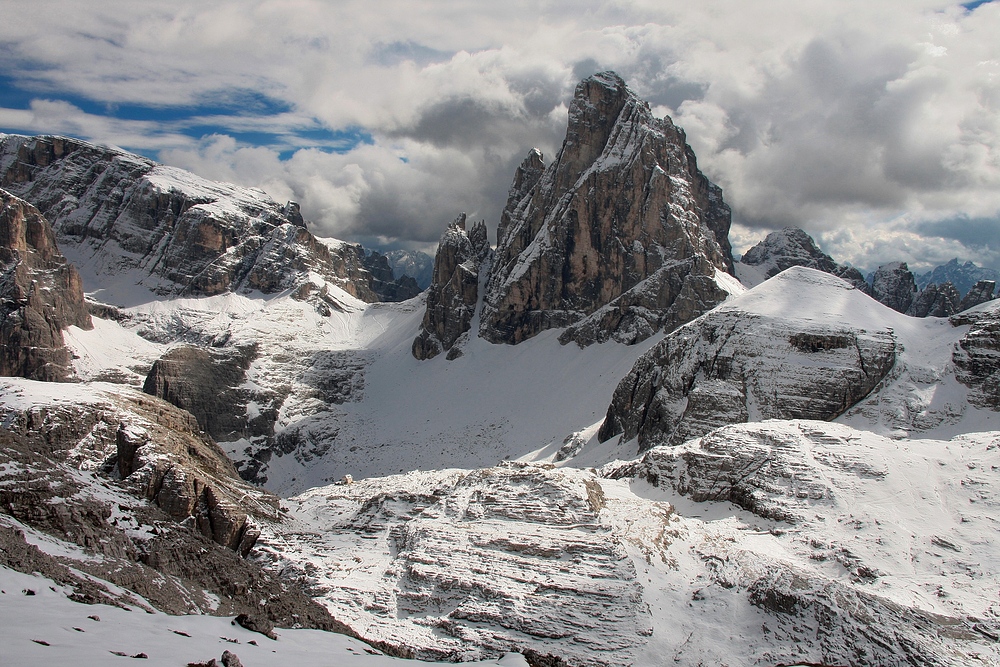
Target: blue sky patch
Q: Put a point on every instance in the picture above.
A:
(250, 117)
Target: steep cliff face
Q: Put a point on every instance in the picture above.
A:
(894, 286)
(454, 290)
(620, 236)
(977, 356)
(935, 301)
(758, 357)
(169, 230)
(981, 292)
(40, 295)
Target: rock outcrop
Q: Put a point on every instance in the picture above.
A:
(454, 291)
(619, 237)
(792, 247)
(40, 295)
(977, 357)
(747, 361)
(935, 301)
(166, 534)
(478, 563)
(981, 292)
(893, 285)
(174, 232)
(207, 383)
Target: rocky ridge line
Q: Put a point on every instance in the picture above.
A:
(180, 234)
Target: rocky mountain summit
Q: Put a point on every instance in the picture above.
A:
(787, 248)
(122, 216)
(40, 295)
(620, 236)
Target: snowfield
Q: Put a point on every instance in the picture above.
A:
(41, 626)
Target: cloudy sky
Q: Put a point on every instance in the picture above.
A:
(873, 124)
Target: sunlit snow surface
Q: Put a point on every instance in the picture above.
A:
(459, 557)
(72, 637)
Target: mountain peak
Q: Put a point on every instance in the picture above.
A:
(619, 236)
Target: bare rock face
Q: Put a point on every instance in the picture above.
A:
(57, 459)
(894, 286)
(739, 364)
(40, 295)
(477, 563)
(207, 383)
(607, 238)
(793, 247)
(187, 475)
(935, 301)
(454, 290)
(977, 357)
(981, 292)
(177, 233)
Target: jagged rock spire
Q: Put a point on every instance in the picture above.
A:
(620, 236)
(454, 290)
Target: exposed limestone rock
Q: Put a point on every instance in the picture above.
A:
(935, 301)
(733, 365)
(793, 247)
(894, 286)
(981, 292)
(40, 295)
(206, 382)
(619, 226)
(977, 357)
(478, 563)
(56, 460)
(454, 290)
(178, 233)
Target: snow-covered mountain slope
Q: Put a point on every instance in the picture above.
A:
(345, 395)
(803, 345)
(41, 625)
(126, 221)
(784, 542)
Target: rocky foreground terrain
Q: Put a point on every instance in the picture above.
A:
(589, 444)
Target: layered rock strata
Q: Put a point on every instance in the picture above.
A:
(175, 232)
(620, 236)
(742, 363)
(454, 292)
(40, 295)
(120, 486)
(977, 357)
